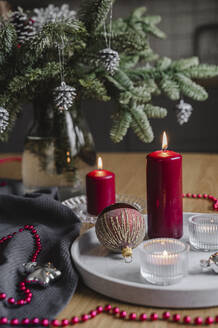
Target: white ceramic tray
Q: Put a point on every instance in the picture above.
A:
(108, 274)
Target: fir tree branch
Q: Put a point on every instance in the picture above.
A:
(140, 123)
(93, 13)
(155, 111)
(8, 39)
(163, 63)
(25, 85)
(182, 64)
(190, 88)
(170, 88)
(121, 123)
(202, 71)
(93, 88)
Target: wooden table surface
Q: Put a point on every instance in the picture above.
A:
(199, 176)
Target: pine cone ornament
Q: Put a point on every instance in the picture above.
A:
(64, 96)
(183, 112)
(108, 59)
(4, 119)
(23, 26)
(52, 14)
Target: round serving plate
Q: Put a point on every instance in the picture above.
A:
(108, 274)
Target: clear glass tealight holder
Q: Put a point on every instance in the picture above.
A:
(163, 261)
(203, 231)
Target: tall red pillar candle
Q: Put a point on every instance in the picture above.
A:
(100, 189)
(164, 194)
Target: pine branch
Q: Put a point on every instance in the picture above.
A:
(155, 111)
(202, 71)
(190, 88)
(138, 13)
(127, 42)
(28, 83)
(93, 88)
(93, 13)
(121, 123)
(163, 63)
(123, 83)
(182, 64)
(127, 62)
(8, 39)
(73, 35)
(170, 88)
(140, 124)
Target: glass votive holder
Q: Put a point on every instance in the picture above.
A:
(203, 231)
(163, 261)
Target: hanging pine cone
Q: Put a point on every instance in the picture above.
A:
(183, 112)
(64, 96)
(108, 59)
(4, 119)
(23, 26)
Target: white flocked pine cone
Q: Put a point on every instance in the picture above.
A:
(108, 59)
(4, 119)
(183, 112)
(52, 14)
(64, 96)
(23, 25)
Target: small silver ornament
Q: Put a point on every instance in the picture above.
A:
(108, 59)
(64, 96)
(183, 112)
(4, 119)
(41, 275)
(211, 263)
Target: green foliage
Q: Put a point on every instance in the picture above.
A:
(7, 41)
(190, 88)
(155, 111)
(121, 123)
(33, 70)
(93, 13)
(202, 71)
(170, 88)
(140, 124)
(93, 88)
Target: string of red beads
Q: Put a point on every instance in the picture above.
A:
(203, 196)
(23, 284)
(166, 316)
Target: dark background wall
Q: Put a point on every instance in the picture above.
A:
(192, 29)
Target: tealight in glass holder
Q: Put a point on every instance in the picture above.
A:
(203, 231)
(163, 261)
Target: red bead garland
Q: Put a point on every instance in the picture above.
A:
(23, 284)
(204, 196)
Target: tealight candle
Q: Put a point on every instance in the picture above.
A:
(163, 261)
(100, 189)
(203, 231)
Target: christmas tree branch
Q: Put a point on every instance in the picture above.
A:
(93, 13)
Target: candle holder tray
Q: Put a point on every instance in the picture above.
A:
(108, 274)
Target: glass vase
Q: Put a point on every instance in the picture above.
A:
(59, 150)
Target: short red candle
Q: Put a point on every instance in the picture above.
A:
(164, 194)
(100, 190)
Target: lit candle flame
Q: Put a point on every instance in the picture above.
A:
(164, 142)
(100, 163)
